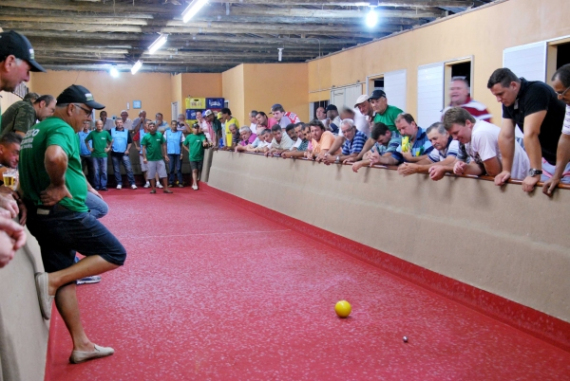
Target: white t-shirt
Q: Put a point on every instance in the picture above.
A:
(128, 124)
(360, 122)
(566, 125)
(484, 145)
(109, 123)
(297, 144)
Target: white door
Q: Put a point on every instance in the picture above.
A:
(528, 61)
(430, 94)
(395, 88)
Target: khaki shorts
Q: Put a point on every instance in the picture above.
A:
(155, 167)
(144, 167)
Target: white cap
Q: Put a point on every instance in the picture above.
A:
(361, 99)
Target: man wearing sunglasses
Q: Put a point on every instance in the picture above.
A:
(561, 172)
(55, 192)
(536, 109)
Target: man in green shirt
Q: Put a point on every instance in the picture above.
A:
(383, 113)
(54, 191)
(100, 144)
(195, 143)
(154, 154)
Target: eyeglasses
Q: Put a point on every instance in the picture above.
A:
(564, 92)
(87, 111)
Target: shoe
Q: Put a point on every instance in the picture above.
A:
(167, 191)
(44, 298)
(180, 186)
(133, 186)
(89, 280)
(170, 185)
(119, 186)
(147, 185)
(153, 191)
(78, 357)
(104, 189)
(159, 185)
(195, 187)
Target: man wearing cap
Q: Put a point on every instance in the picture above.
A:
(54, 191)
(383, 113)
(16, 61)
(332, 115)
(22, 115)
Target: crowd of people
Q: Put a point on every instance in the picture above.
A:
(531, 145)
(62, 160)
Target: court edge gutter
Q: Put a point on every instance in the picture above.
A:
(526, 319)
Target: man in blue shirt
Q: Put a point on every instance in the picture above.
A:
(352, 142)
(415, 145)
(120, 153)
(174, 139)
(85, 153)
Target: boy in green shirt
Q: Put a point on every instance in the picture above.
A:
(154, 154)
(195, 144)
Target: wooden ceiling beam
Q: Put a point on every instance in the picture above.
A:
(145, 68)
(421, 4)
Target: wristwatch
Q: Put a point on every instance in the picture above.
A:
(337, 159)
(533, 172)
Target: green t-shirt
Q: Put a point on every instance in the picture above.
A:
(100, 141)
(388, 118)
(33, 175)
(20, 116)
(153, 144)
(194, 144)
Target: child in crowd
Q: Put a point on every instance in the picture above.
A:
(195, 144)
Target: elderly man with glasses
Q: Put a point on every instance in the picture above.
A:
(55, 192)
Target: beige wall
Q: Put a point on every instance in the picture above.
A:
(501, 241)
(152, 89)
(483, 33)
(23, 331)
(267, 84)
(202, 85)
(233, 85)
(7, 99)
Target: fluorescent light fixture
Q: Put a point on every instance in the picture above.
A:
(280, 54)
(161, 40)
(371, 18)
(114, 72)
(192, 9)
(136, 67)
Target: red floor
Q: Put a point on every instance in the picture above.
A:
(211, 291)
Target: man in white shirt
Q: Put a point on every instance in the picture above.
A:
(253, 121)
(127, 123)
(481, 140)
(107, 123)
(281, 141)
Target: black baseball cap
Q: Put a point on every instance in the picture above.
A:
(377, 94)
(78, 94)
(331, 108)
(13, 43)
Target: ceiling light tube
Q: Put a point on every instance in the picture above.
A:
(161, 40)
(192, 9)
(136, 67)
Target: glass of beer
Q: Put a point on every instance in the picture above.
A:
(11, 178)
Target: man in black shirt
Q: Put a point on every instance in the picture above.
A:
(535, 108)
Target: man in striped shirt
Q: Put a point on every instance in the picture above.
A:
(459, 97)
(352, 142)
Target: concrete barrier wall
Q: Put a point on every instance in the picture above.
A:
(500, 240)
(23, 331)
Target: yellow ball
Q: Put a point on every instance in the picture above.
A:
(343, 308)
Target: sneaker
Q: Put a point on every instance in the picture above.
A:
(195, 187)
(180, 186)
(119, 186)
(167, 191)
(133, 186)
(153, 191)
(159, 185)
(89, 280)
(147, 185)
(81, 356)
